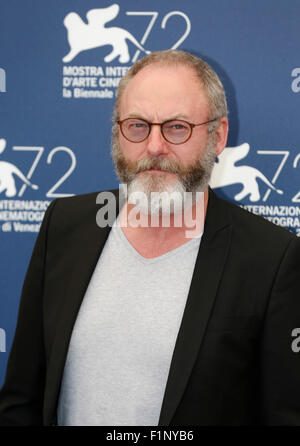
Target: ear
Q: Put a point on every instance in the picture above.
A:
(221, 134)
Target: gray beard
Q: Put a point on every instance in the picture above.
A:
(192, 178)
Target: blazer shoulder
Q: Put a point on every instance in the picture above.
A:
(67, 212)
(256, 227)
(81, 202)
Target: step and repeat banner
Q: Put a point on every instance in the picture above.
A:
(60, 64)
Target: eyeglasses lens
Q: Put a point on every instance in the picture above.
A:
(137, 130)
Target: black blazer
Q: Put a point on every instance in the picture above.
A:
(232, 364)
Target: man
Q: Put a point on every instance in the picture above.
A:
(142, 324)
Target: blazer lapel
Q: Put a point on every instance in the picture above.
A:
(84, 259)
(208, 270)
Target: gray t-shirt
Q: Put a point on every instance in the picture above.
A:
(124, 336)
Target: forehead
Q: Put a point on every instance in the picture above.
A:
(162, 92)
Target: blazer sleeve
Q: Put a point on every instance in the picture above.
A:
(21, 397)
(280, 372)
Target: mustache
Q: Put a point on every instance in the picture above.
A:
(163, 164)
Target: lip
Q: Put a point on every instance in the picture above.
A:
(156, 172)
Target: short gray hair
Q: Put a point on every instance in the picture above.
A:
(207, 76)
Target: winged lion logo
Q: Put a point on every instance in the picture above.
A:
(84, 36)
(226, 173)
(7, 172)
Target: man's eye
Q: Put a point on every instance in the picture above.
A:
(176, 126)
(137, 125)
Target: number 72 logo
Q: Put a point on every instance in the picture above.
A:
(154, 16)
(285, 154)
(39, 152)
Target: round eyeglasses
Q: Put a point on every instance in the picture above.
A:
(175, 131)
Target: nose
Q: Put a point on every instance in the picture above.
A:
(156, 144)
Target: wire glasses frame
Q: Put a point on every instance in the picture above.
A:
(175, 131)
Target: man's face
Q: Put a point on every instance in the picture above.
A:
(157, 94)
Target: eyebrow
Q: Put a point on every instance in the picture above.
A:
(178, 116)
